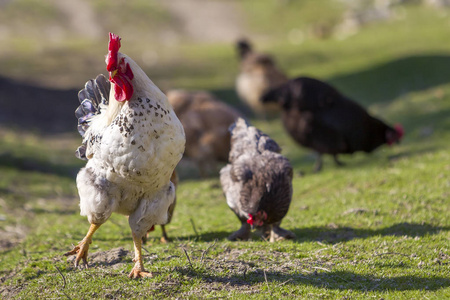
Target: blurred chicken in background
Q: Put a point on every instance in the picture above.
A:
(258, 73)
(318, 116)
(206, 120)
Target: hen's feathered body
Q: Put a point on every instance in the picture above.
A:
(318, 116)
(258, 182)
(133, 146)
(206, 120)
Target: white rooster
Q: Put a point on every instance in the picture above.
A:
(133, 143)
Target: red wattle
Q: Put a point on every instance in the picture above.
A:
(250, 219)
(123, 89)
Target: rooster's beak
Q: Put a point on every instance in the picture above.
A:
(112, 74)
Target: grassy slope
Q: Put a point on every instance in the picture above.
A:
(395, 246)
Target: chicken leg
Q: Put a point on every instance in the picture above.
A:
(82, 249)
(164, 239)
(242, 234)
(277, 233)
(138, 270)
(337, 161)
(319, 162)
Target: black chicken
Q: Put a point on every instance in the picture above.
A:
(257, 183)
(317, 116)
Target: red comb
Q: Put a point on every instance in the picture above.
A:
(114, 42)
(113, 49)
(399, 129)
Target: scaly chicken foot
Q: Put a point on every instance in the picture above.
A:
(242, 234)
(82, 249)
(278, 234)
(138, 270)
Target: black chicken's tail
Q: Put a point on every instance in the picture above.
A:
(95, 92)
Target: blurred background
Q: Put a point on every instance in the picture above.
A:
(392, 56)
(373, 50)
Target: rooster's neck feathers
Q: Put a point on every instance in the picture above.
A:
(141, 83)
(143, 86)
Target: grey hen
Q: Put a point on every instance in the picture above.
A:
(257, 183)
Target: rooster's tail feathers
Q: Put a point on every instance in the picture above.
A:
(95, 93)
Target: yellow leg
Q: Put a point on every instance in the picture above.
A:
(81, 250)
(164, 239)
(138, 270)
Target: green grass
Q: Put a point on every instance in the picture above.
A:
(376, 228)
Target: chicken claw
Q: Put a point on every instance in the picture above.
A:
(137, 273)
(242, 234)
(82, 249)
(279, 234)
(138, 270)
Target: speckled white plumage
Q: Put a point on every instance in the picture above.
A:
(133, 148)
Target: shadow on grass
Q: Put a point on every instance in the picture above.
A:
(336, 235)
(384, 82)
(211, 236)
(58, 211)
(335, 280)
(304, 164)
(31, 107)
(369, 158)
(9, 159)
